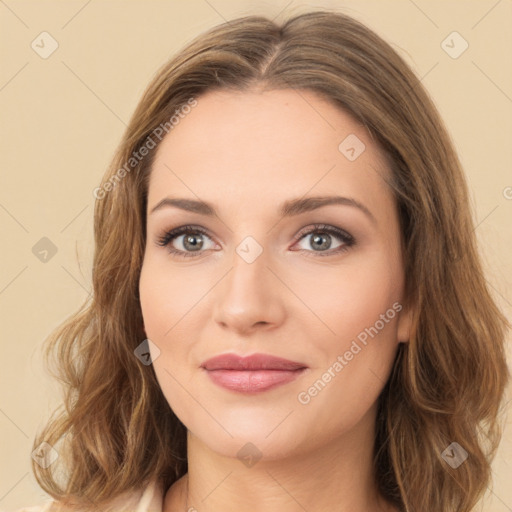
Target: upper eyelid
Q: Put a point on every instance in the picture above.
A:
(304, 231)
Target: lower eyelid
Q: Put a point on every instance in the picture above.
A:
(345, 238)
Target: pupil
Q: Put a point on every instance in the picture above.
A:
(319, 238)
(192, 240)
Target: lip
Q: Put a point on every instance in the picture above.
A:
(251, 374)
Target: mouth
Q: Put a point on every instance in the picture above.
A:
(252, 374)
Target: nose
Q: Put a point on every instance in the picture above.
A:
(250, 297)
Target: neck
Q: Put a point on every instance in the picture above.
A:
(336, 476)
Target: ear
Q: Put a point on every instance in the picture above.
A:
(404, 326)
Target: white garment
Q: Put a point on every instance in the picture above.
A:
(149, 500)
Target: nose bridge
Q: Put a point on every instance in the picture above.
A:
(249, 295)
(249, 266)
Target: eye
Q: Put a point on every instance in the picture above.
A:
(192, 241)
(322, 239)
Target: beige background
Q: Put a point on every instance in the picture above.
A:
(62, 117)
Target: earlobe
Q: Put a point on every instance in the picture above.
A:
(405, 324)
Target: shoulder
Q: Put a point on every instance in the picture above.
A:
(149, 499)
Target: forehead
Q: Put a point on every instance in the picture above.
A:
(259, 149)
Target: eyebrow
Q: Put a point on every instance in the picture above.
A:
(289, 208)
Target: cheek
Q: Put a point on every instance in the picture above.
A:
(360, 304)
(167, 297)
(168, 301)
(350, 297)
(365, 302)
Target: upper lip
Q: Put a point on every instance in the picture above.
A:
(252, 362)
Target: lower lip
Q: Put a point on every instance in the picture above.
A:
(252, 381)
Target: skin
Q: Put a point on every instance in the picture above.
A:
(247, 153)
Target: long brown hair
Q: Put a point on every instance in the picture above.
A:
(116, 431)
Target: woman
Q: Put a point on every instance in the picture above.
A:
(289, 308)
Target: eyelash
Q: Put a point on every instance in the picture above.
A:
(348, 240)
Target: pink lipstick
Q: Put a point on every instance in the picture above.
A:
(251, 374)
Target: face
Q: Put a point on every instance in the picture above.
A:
(318, 283)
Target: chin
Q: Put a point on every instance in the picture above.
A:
(264, 434)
